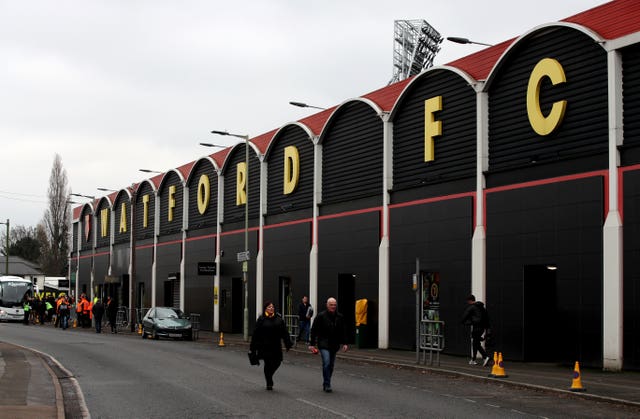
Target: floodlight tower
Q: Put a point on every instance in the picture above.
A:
(415, 45)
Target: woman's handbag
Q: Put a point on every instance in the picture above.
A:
(253, 358)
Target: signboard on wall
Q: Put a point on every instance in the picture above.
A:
(206, 268)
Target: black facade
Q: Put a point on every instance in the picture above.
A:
(518, 202)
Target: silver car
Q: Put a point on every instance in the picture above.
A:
(166, 322)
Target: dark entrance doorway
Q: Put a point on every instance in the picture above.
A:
(172, 291)
(237, 309)
(285, 297)
(539, 312)
(347, 303)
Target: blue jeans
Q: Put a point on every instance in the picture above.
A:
(304, 330)
(64, 321)
(328, 361)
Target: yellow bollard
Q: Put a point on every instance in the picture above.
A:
(221, 341)
(75, 323)
(576, 383)
(140, 328)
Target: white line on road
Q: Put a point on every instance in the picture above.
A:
(324, 408)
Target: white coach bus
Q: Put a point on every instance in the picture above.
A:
(12, 292)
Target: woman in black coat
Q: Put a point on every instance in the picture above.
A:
(265, 341)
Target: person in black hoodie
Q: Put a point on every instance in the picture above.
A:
(265, 341)
(329, 332)
(475, 314)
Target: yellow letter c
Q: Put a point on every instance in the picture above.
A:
(547, 67)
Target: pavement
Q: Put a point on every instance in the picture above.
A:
(33, 384)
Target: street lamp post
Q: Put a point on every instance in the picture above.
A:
(304, 105)
(83, 196)
(213, 145)
(245, 258)
(459, 40)
(6, 250)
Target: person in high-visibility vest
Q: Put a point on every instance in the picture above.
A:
(26, 306)
(80, 310)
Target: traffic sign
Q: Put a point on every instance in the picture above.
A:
(243, 256)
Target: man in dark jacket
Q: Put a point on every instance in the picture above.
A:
(265, 341)
(329, 332)
(475, 314)
(98, 312)
(305, 312)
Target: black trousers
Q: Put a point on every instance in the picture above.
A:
(476, 340)
(271, 365)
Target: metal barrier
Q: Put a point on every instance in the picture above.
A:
(195, 325)
(122, 318)
(431, 340)
(291, 320)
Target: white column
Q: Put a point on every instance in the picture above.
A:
(479, 240)
(260, 255)
(383, 250)
(612, 304)
(156, 231)
(216, 278)
(185, 206)
(317, 198)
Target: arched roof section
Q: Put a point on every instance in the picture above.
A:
(107, 199)
(408, 87)
(152, 184)
(514, 46)
(196, 163)
(219, 157)
(177, 172)
(153, 181)
(76, 213)
(377, 109)
(386, 97)
(605, 22)
(252, 146)
(185, 170)
(126, 191)
(317, 121)
(262, 141)
(610, 20)
(282, 129)
(478, 65)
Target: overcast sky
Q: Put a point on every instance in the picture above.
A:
(115, 86)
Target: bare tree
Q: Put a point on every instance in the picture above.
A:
(56, 222)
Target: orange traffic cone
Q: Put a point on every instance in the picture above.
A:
(576, 383)
(500, 372)
(221, 342)
(495, 370)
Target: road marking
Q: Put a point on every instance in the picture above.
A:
(324, 408)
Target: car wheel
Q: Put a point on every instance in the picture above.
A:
(189, 337)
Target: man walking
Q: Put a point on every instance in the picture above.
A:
(305, 312)
(475, 314)
(98, 312)
(329, 332)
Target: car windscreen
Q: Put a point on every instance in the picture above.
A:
(168, 313)
(13, 292)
